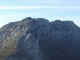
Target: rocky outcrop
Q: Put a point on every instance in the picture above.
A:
(39, 39)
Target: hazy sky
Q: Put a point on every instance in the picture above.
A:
(14, 10)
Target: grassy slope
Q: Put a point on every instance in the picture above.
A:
(8, 50)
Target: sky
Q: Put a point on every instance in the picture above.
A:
(16, 10)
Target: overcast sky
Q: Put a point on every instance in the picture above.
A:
(15, 10)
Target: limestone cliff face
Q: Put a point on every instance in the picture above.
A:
(39, 39)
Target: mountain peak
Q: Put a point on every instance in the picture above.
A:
(39, 39)
(28, 18)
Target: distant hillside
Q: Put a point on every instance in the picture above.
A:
(39, 39)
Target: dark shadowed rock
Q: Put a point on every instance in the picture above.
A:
(39, 39)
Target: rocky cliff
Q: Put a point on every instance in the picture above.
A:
(39, 39)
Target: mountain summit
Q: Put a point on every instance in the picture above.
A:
(39, 39)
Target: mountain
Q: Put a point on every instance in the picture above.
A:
(39, 39)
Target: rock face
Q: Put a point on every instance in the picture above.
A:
(39, 39)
